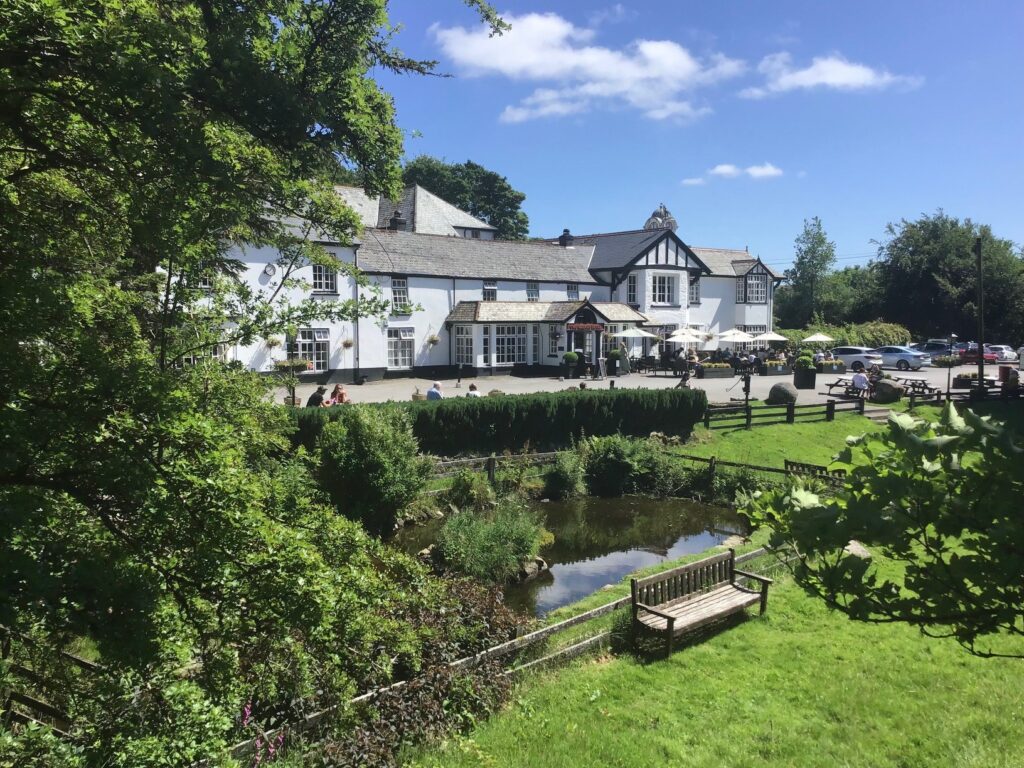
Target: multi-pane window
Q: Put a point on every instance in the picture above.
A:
(694, 290)
(487, 345)
(536, 344)
(741, 295)
(753, 330)
(325, 279)
(399, 294)
(490, 290)
(464, 345)
(533, 291)
(663, 289)
(216, 352)
(631, 289)
(572, 291)
(553, 338)
(312, 344)
(607, 342)
(400, 347)
(757, 289)
(509, 344)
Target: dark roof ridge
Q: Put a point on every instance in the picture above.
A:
(475, 241)
(609, 234)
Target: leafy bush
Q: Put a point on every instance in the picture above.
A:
(716, 365)
(570, 359)
(874, 334)
(544, 421)
(614, 354)
(608, 466)
(564, 480)
(491, 546)
(369, 467)
(470, 490)
(804, 363)
(946, 361)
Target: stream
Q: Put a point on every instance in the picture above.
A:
(598, 541)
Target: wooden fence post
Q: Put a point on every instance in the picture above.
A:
(790, 413)
(830, 410)
(860, 405)
(911, 401)
(749, 415)
(492, 465)
(707, 418)
(711, 470)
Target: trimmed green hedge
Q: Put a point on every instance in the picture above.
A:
(874, 334)
(541, 421)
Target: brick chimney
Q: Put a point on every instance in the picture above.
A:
(396, 222)
(565, 239)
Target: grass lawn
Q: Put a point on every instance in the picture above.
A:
(798, 687)
(814, 442)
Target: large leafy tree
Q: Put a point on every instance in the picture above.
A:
(150, 507)
(940, 501)
(814, 256)
(475, 189)
(928, 275)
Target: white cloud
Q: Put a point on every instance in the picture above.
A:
(727, 170)
(613, 14)
(654, 77)
(693, 181)
(766, 171)
(832, 71)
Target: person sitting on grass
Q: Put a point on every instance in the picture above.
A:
(338, 396)
(317, 398)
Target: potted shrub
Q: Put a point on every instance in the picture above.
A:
(287, 372)
(805, 375)
(965, 380)
(831, 366)
(614, 355)
(715, 371)
(569, 361)
(774, 368)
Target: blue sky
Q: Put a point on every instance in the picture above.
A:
(743, 118)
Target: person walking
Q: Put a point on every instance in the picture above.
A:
(623, 359)
(434, 393)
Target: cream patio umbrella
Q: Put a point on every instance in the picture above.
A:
(770, 337)
(736, 336)
(634, 333)
(818, 338)
(685, 336)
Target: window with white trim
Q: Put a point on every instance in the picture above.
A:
(693, 294)
(753, 330)
(490, 290)
(325, 279)
(218, 352)
(663, 289)
(536, 344)
(533, 291)
(607, 342)
(401, 349)
(399, 294)
(464, 345)
(312, 344)
(509, 344)
(487, 345)
(631, 289)
(757, 289)
(741, 295)
(572, 291)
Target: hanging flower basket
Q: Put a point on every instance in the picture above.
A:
(347, 343)
(433, 339)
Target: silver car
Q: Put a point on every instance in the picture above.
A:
(903, 358)
(857, 358)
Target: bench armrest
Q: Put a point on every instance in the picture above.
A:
(754, 576)
(655, 611)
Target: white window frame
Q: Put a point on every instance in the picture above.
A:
(631, 285)
(509, 344)
(536, 343)
(490, 292)
(753, 330)
(756, 288)
(325, 279)
(664, 289)
(572, 291)
(313, 344)
(693, 291)
(401, 348)
(399, 295)
(533, 291)
(464, 345)
(487, 345)
(607, 342)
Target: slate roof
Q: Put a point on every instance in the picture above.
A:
(428, 214)
(537, 311)
(728, 262)
(389, 252)
(616, 249)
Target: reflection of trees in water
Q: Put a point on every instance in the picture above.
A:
(590, 527)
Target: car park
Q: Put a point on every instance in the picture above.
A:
(857, 358)
(1004, 352)
(970, 355)
(933, 348)
(903, 358)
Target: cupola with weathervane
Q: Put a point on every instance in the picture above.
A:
(662, 219)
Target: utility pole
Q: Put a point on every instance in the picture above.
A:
(981, 319)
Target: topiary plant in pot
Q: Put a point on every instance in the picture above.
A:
(805, 375)
(569, 361)
(614, 355)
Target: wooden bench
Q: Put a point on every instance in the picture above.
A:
(688, 597)
(815, 470)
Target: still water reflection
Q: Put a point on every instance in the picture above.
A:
(598, 541)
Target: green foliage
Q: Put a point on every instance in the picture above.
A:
(470, 490)
(369, 467)
(614, 354)
(565, 479)
(804, 363)
(543, 421)
(570, 359)
(608, 465)
(615, 465)
(476, 190)
(942, 500)
(716, 365)
(946, 361)
(814, 257)
(491, 545)
(873, 334)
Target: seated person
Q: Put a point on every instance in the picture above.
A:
(860, 381)
(473, 391)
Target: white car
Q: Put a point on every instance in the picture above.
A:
(857, 358)
(1003, 352)
(903, 358)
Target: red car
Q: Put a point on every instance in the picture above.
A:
(971, 356)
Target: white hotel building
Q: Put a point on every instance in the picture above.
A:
(486, 306)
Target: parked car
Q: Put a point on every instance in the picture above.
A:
(933, 348)
(903, 358)
(970, 355)
(1004, 352)
(857, 358)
